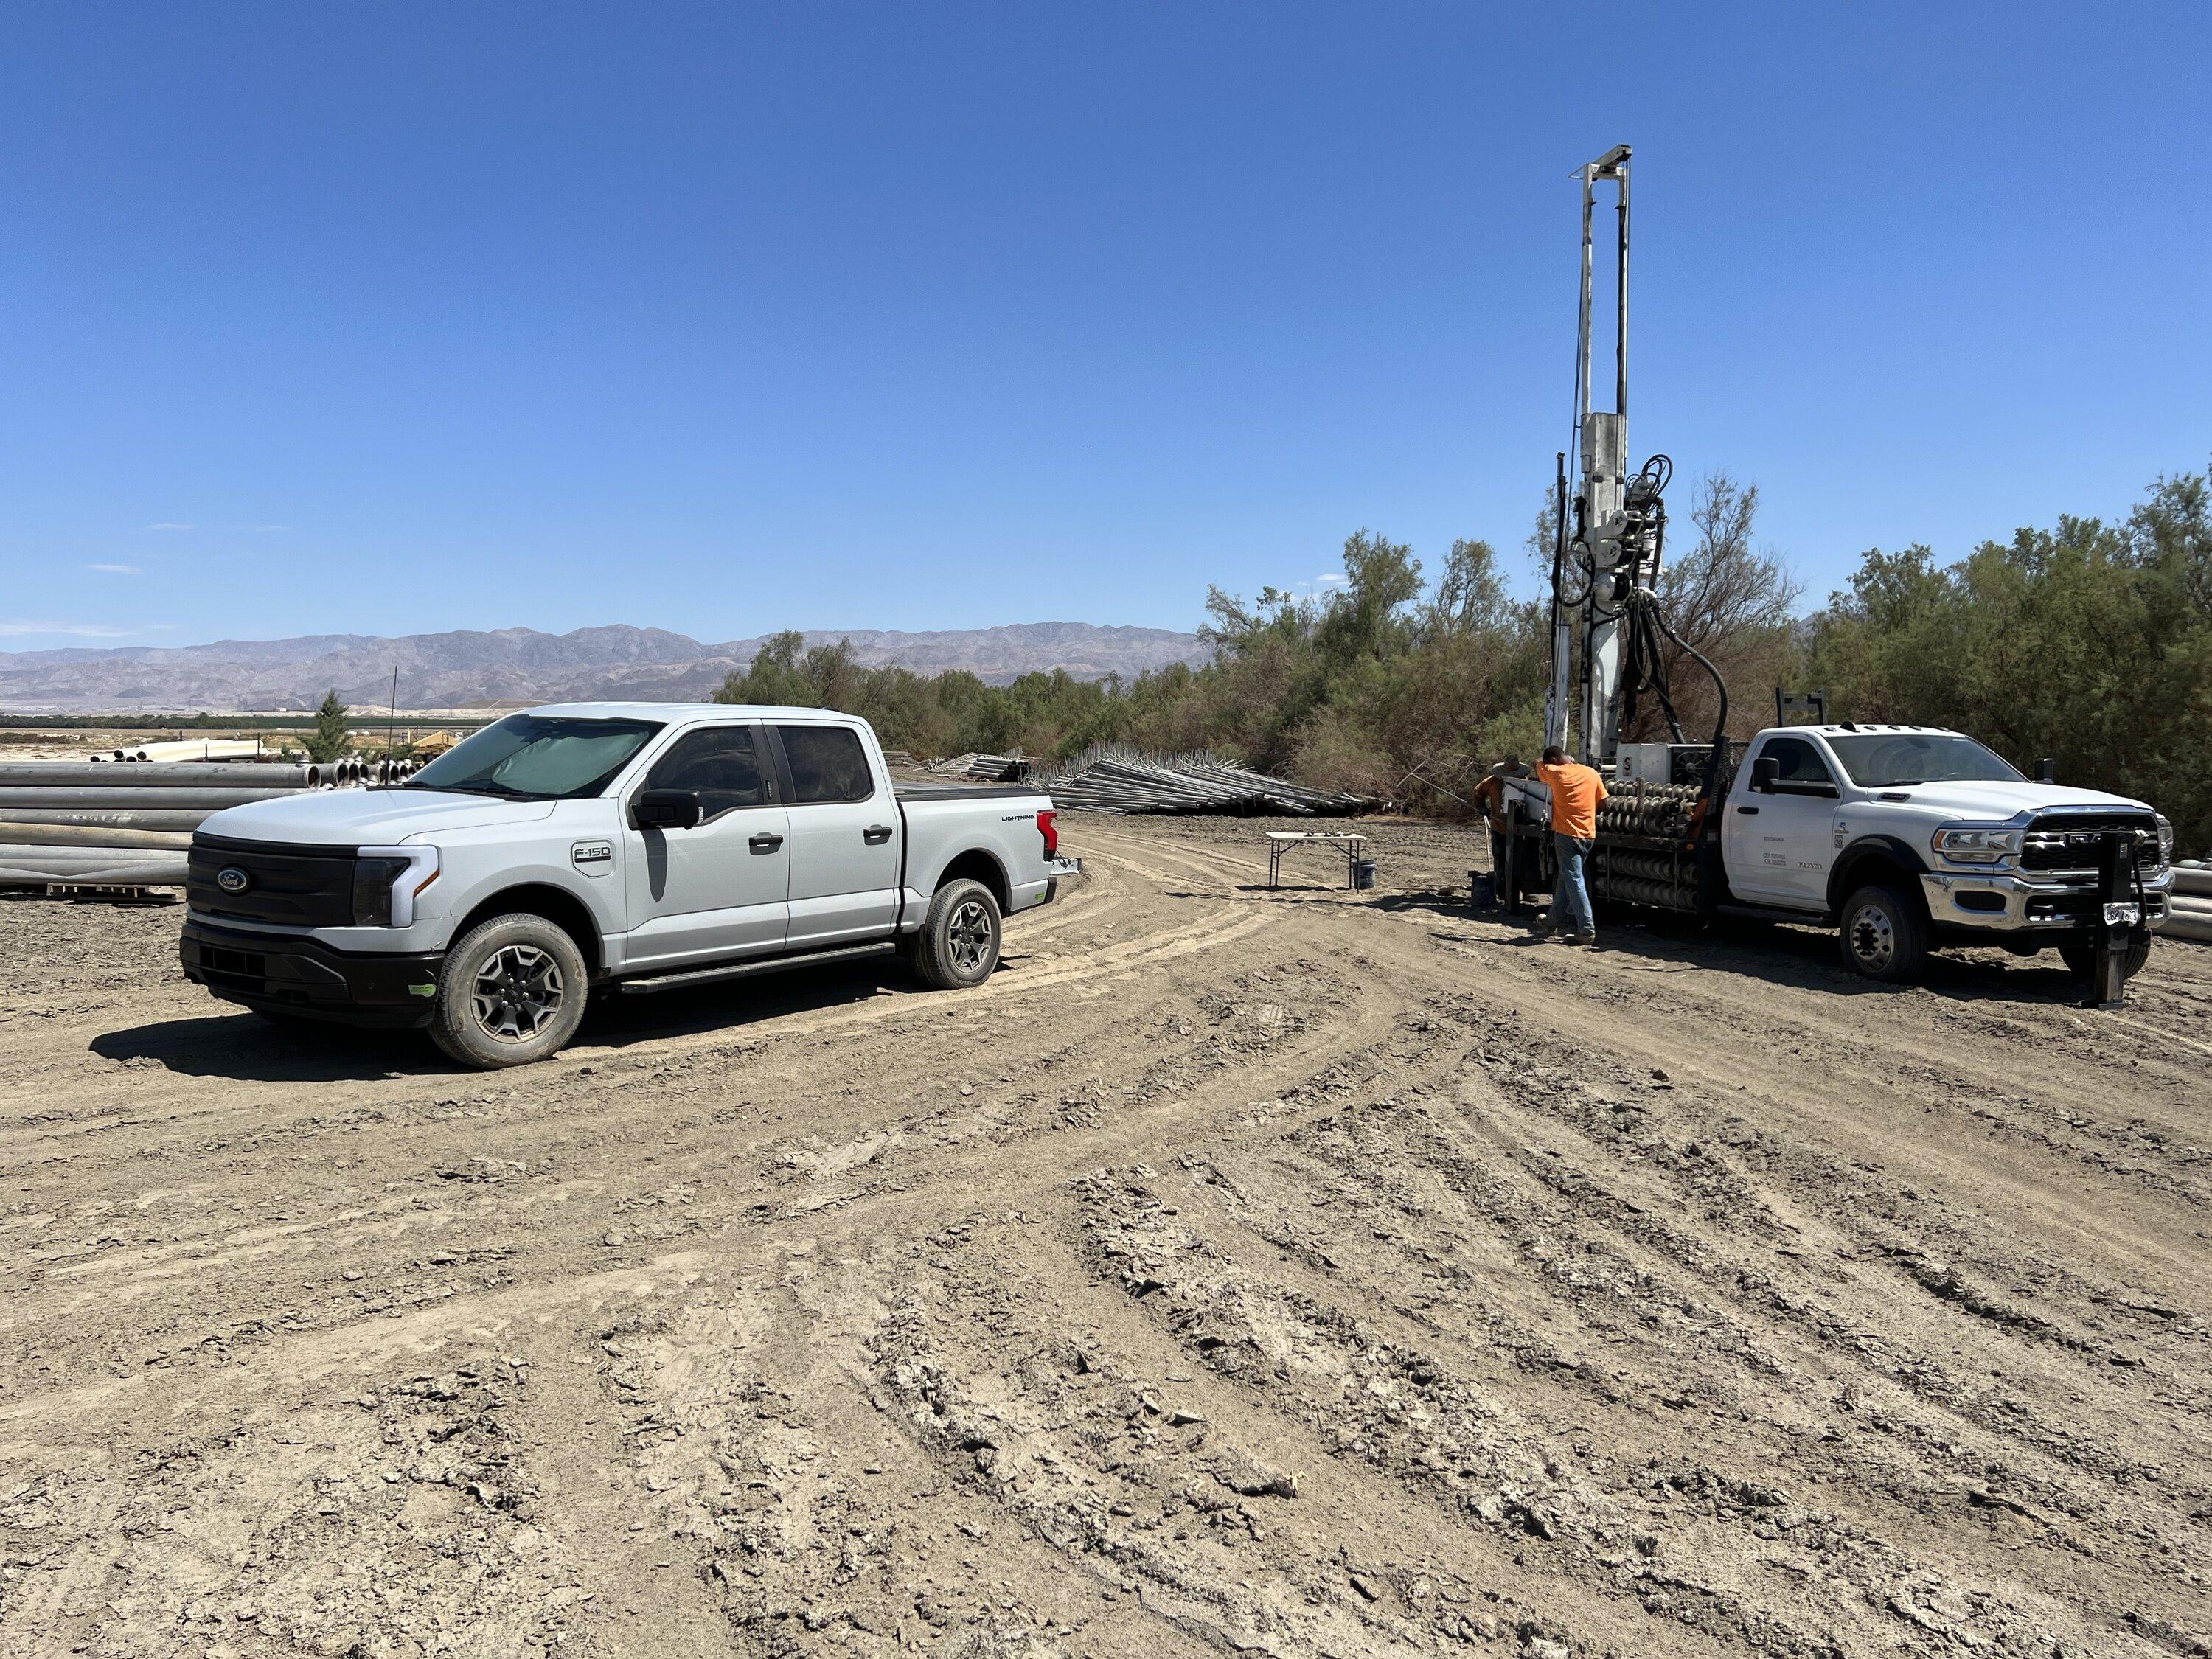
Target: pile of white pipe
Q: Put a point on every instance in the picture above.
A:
(98, 825)
(172, 750)
(2188, 907)
(1109, 778)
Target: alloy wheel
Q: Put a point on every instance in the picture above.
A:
(968, 939)
(517, 991)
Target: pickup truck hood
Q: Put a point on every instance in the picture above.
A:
(1996, 802)
(366, 817)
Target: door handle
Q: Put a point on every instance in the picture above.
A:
(765, 843)
(1748, 811)
(876, 834)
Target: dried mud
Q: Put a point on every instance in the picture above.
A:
(1293, 1274)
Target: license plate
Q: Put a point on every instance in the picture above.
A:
(2123, 916)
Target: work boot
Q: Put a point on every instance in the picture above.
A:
(1587, 940)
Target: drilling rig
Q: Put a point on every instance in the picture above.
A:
(1607, 626)
(1903, 838)
(1609, 539)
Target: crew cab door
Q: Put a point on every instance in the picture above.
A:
(1777, 841)
(722, 887)
(845, 833)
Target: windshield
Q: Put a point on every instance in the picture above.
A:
(1886, 760)
(536, 758)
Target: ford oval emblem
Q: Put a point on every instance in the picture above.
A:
(232, 879)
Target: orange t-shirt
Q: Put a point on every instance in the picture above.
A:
(1576, 791)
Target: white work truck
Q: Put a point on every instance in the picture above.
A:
(1902, 838)
(636, 847)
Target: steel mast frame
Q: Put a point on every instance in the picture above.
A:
(1601, 452)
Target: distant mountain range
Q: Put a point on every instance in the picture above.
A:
(520, 665)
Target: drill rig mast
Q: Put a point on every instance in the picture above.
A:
(1605, 567)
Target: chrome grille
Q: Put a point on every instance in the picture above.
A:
(2069, 841)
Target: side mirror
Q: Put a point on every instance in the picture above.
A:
(2046, 770)
(1766, 773)
(666, 809)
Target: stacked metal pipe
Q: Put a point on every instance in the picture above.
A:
(983, 768)
(1664, 877)
(2189, 908)
(100, 825)
(1112, 778)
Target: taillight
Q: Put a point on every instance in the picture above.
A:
(1050, 829)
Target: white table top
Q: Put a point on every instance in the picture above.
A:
(1313, 834)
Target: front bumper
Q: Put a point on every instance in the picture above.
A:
(294, 975)
(2007, 902)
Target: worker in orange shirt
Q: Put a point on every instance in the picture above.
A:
(1576, 791)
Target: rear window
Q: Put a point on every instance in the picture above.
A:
(827, 763)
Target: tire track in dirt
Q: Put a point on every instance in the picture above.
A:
(1310, 1272)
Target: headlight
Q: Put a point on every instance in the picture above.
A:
(386, 880)
(2165, 839)
(1976, 843)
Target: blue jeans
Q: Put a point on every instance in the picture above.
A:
(1571, 905)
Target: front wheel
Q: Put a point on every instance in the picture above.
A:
(1884, 935)
(958, 945)
(2083, 959)
(512, 991)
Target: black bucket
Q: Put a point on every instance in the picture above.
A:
(1482, 888)
(1362, 874)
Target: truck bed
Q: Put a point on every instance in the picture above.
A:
(928, 792)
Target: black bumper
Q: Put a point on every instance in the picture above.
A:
(302, 976)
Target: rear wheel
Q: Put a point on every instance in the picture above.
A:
(2083, 959)
(958, 945)
(512, 991)
(1883, 934)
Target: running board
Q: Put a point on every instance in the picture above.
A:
(648, 984)
(1773, 913)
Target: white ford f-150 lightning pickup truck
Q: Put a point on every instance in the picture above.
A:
(636, 846)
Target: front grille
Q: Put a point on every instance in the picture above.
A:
(300, 886)
(2069, 841)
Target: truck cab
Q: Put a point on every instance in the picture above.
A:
(1906, 837)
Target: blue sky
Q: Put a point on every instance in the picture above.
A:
(726, 318)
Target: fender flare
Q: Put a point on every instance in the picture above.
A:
(1855, 856)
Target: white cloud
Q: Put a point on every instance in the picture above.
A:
(165, 525)
(1325, 581)
(117, 569)
(81, 630)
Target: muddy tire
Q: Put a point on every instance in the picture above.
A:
(1883, 935)
(958, 945)
(512, 991)
(2083, 960)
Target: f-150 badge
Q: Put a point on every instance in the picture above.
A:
(593, 858)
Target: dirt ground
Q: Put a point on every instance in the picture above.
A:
(1292, 1274)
